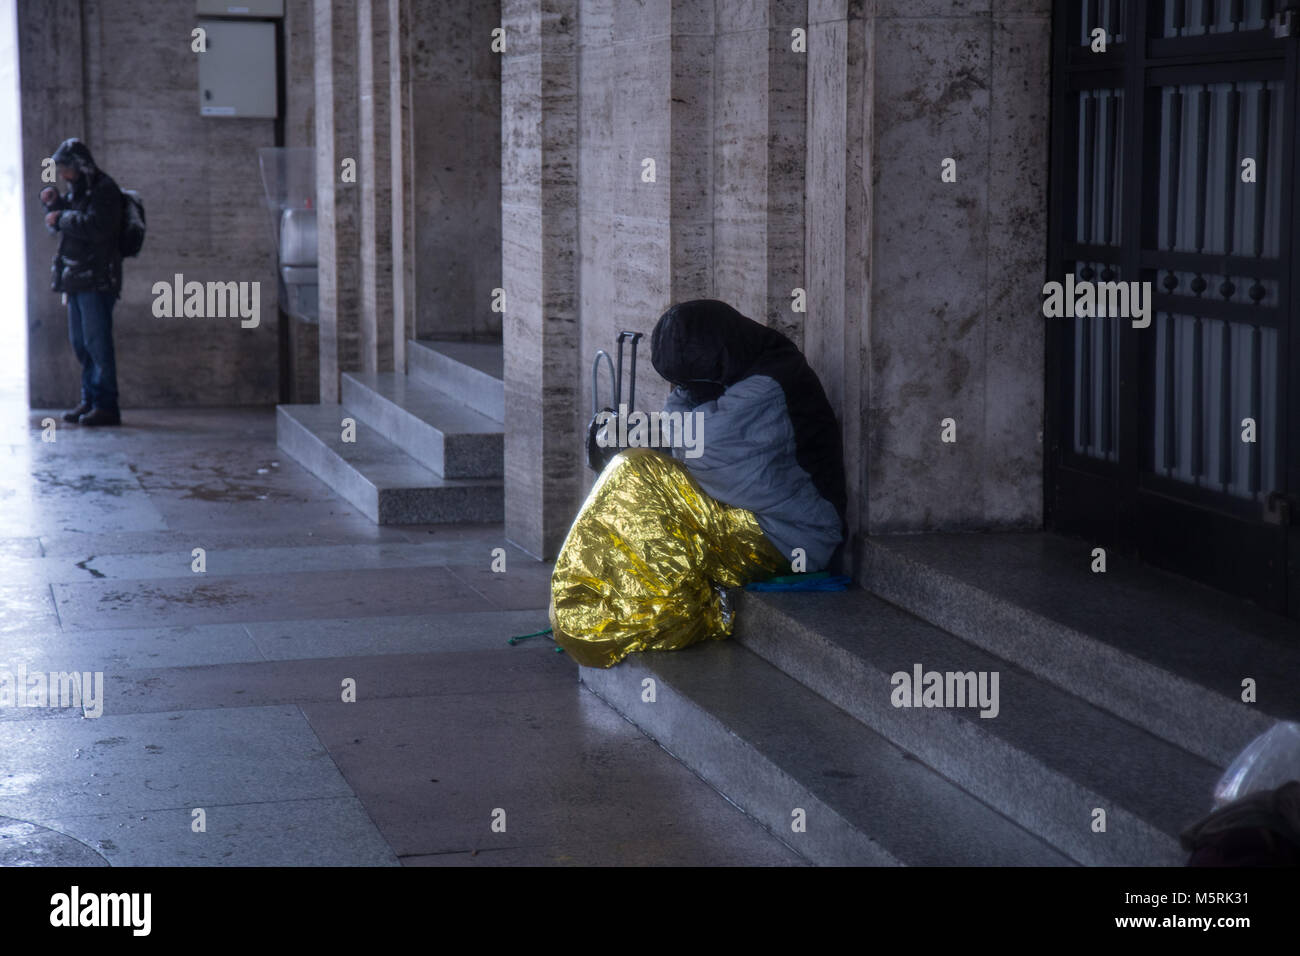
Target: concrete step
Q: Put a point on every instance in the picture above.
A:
(377, 477)
(772, 747)
(1047, 759)
(435, 428)
(1158, 650)
(472, 371)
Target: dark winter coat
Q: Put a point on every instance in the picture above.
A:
(771, 443)
(89, 227)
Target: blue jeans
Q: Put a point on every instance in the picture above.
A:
(90, 327)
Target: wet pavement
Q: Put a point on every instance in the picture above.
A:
(227, 731)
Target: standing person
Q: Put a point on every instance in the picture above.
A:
(87, 269)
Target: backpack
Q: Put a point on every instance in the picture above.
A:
(131, 239)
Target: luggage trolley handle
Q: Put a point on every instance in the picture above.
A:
(618, 378)
(595, 381)
(599, 454)
(616, 375)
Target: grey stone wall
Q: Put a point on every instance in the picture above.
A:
(401, 178)
(625, 109)
(539, 222)
(374, 103)
(927, 293)
(715, 98)
(759, 149)
(300, 82)
(338, 202)
(300, 131)
(121, 76)
(455, 89)
(778, 170)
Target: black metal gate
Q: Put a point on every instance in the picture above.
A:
(1174, 163)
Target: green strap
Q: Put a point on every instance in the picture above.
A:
(523, 637)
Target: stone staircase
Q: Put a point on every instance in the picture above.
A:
(428, 445)
(1118, 692)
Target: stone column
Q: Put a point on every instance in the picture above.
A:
(759, 148)
(338, 212)
(539, 269)
(375, 179)
(50, 67)
(924, 294)
(300, 80)
(690, 159)
(837, 232)
(402, 223)
(456, 152)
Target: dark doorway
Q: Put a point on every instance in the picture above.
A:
(1173, 162)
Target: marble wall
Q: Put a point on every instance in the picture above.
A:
(539, 223)
(455, 114)
(778, 170)
(338, 200)
(949, 272)
(626, 94)
(759, 141)
(714, 94)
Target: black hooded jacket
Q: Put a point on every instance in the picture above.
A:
(89, 226)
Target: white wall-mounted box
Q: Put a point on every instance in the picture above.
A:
(240, 8)
(237, 71)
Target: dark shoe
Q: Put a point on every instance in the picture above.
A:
(77, 412)
(101, 417)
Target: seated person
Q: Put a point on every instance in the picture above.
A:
(659, 538)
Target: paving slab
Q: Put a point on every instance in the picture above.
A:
(523, 585)
(565, 769)
(331, 831)
(27, 844)
(260, 560)
(204, 599)
(26, 607)
(321, 681)
(118, 649)
(403, 634)
(136, 763)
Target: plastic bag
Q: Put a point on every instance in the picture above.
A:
(1267, 762)
(646, 562)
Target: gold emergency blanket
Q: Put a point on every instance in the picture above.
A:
(645, 561)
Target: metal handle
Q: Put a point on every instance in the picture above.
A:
(631, 391)
(595, 381)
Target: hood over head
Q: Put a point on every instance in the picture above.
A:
(705, 346)
(73, 152)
